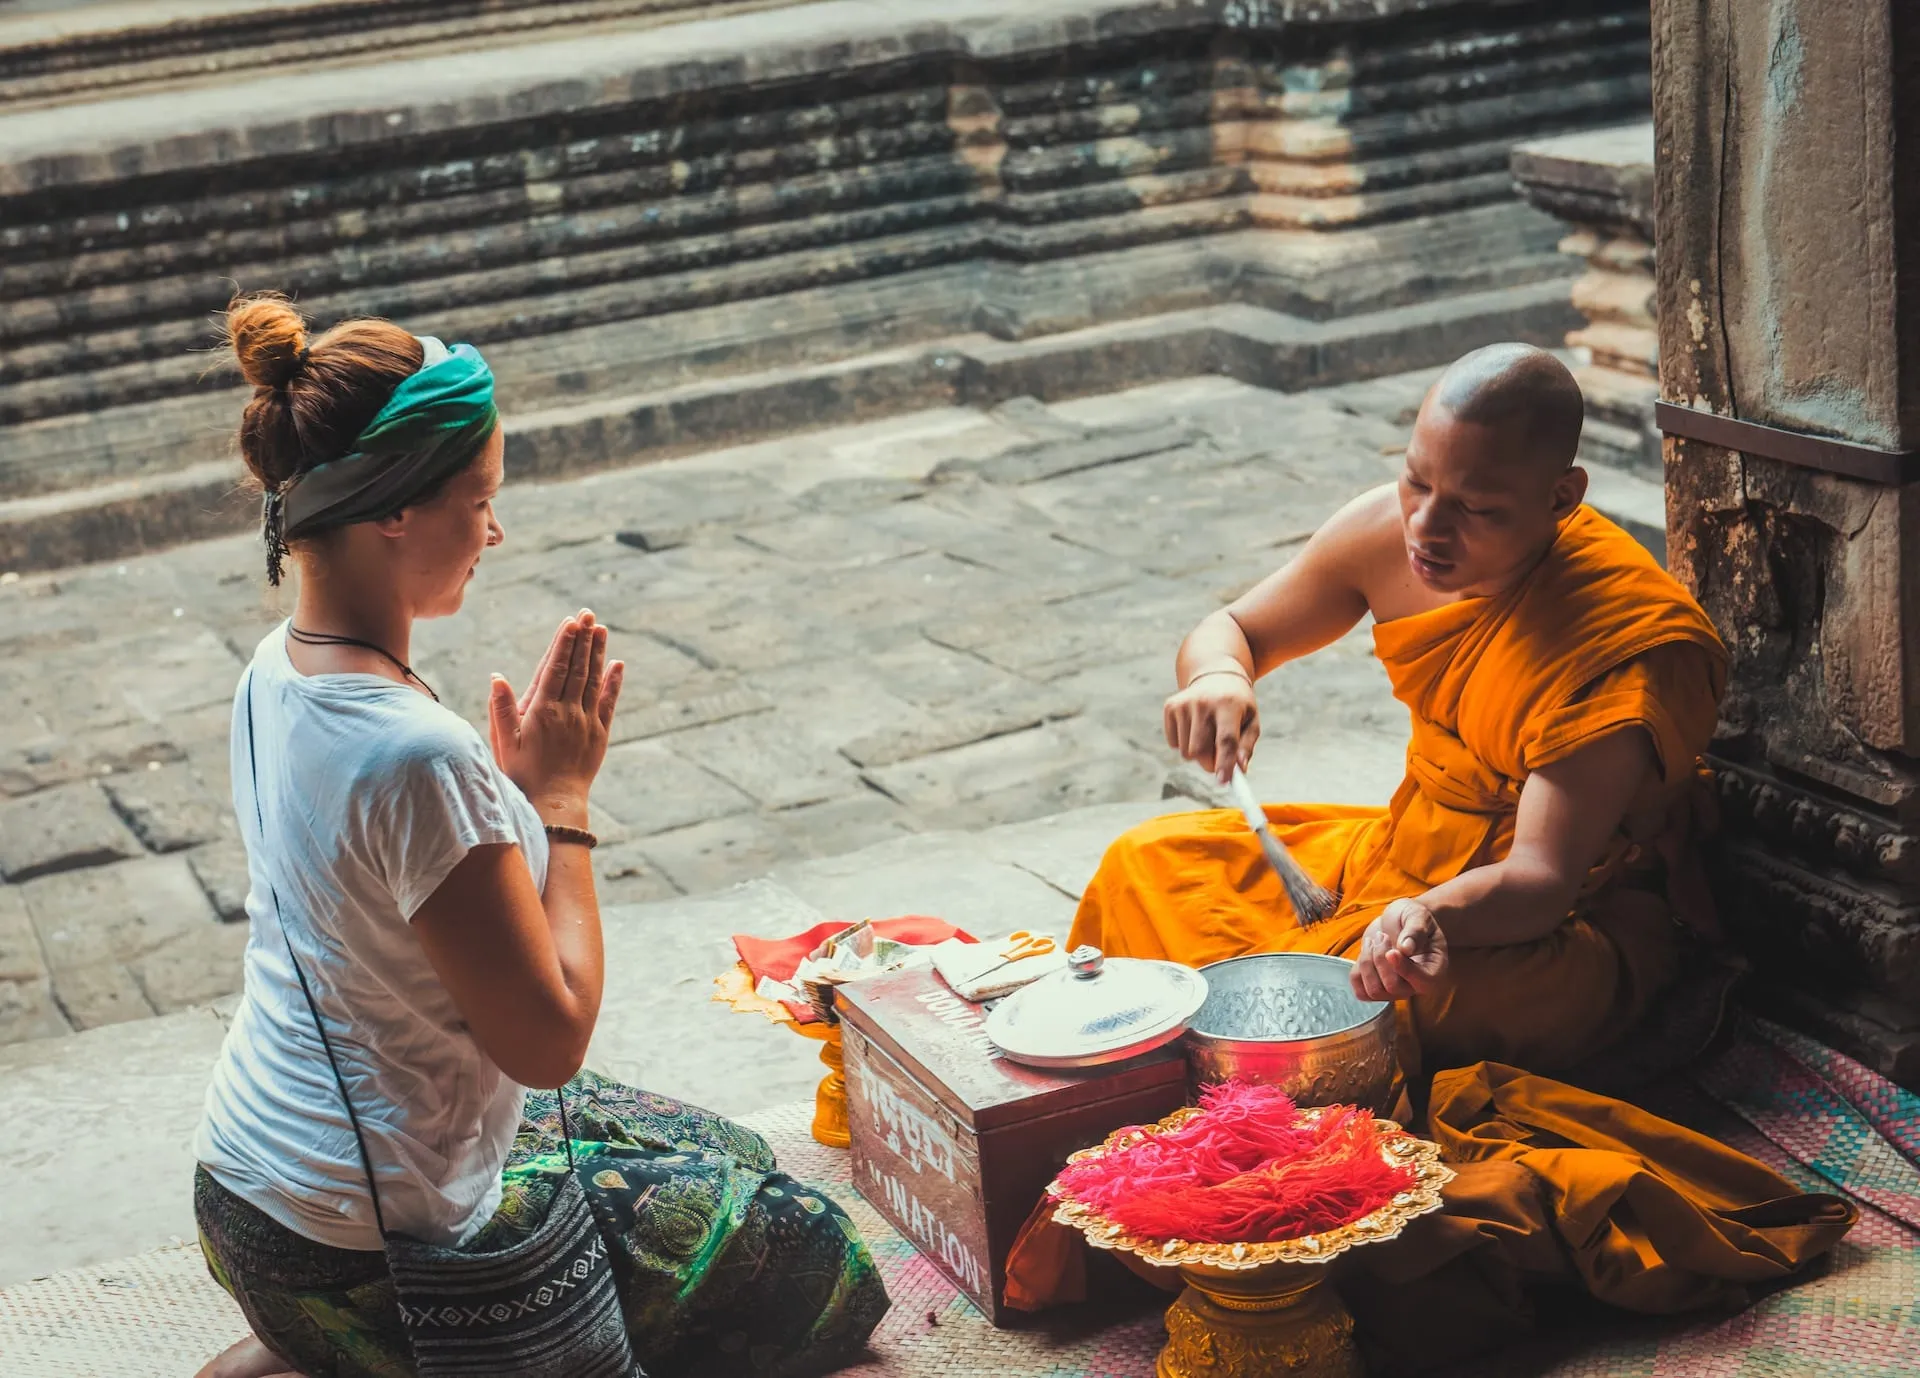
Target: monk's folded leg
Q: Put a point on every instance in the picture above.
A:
(1184, 887)
(1548, 1005)
(1196, 887)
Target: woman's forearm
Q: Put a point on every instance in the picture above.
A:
(573, 914)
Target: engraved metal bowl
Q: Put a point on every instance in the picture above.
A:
(1291, 1020)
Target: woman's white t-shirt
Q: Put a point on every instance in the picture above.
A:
(371, 794)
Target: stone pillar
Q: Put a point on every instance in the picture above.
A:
(1788, 195)
(1601, 183)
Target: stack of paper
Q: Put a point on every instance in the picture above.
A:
(858, 955)
(969, 968)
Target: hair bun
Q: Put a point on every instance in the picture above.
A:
(269, 338)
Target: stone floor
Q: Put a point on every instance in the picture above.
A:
(950, 620)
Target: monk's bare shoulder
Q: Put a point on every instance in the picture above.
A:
(1363, 540)
(1366, 543)
(1317, 596)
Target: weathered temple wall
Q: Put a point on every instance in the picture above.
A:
(1788, 146)
(626, 210)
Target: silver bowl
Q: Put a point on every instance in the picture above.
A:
(1290, 1019)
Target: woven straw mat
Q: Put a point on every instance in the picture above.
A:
(159, 1315)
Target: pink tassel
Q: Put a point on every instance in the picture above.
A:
(1246, 1169)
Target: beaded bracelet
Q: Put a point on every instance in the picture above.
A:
(560, 832)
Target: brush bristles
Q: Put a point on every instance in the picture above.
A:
(1311, 900)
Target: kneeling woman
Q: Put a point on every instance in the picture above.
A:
(425, 939)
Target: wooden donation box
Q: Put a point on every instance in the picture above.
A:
(955, 1144)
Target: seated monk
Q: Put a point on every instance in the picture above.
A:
(1520, 897)
(1562, 688)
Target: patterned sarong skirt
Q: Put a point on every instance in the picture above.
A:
(724, 1264)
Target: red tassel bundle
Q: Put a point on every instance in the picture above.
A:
(1246, 1170)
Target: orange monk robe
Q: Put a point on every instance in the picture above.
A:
(1555, 1182)
(1557, 1185)
(1598, 638)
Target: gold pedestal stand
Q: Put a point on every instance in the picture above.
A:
(1274, 1320)
(735, 987)
(830, 1101)
(1261, 1310)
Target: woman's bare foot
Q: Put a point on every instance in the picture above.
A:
(247, 1359)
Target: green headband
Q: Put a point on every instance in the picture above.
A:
(434, 424)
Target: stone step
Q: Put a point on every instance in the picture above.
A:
(529, 213)
(82, 50)
(128, 1096)
(1629, 449)
(791, 320)
(125, 514)
(123, 517)
(790, 172)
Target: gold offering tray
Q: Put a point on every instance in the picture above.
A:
(1250, 1310)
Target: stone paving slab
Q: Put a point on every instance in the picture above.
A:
(1331, 764)
(60, 829)
(651, 789)
(27, 1009)
(931, 874)
(106, 930)
(112, 1171)
(221, 869)
(709, 855)
(854, 635)
(1070, 764)
(170, 807)
(769, 757)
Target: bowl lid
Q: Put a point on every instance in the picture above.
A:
(1100, 1009)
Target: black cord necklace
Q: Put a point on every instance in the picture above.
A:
(329, 639)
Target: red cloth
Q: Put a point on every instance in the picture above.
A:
(779, 958)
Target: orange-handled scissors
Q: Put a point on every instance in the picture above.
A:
(1025, 944)
(1019, 946)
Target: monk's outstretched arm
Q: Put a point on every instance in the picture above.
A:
(1314, 600)
(1311, 601)
(1568, 813)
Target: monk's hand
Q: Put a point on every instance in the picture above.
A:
(1403, 953)
(1214, 722)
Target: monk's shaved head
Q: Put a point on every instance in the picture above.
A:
(1520, 388)
(1489, 474)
